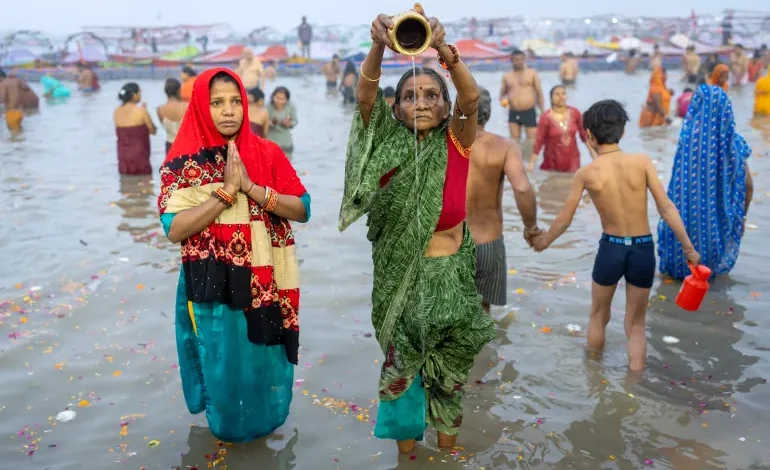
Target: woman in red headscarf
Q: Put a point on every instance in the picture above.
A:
(227, 196)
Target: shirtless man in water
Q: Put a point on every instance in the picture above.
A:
(520, 92)
(568, 70)
(691, 65)
(331, 70)
(17, 96)
(617, 183)
(251, 71)
(631, 62)
(656, 59)
(493, 158)
(87, 80)
(739, 66)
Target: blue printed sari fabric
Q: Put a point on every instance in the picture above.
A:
(708, 186)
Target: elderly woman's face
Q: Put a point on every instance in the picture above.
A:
(226, 107)
(422, 105)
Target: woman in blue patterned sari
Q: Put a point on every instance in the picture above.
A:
(710, 185)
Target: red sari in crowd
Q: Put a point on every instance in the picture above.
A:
(559, 141)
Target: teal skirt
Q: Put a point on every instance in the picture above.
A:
(244, 388)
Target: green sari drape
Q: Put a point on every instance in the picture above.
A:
(402, 214)
(446, 327)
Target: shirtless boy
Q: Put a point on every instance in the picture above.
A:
(691, 65)
(568, 70)
(520, 92)
(493, 158)
(618, 183)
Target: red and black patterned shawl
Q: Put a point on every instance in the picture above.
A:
(247, 257)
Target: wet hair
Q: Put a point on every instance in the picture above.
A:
(128, 91)
(702, 80)
(687, 90)
(553, 90)
(606, 120)
(418, 71)
(757, 55)
(80, 65)
(172, 88)
(389, 92)
(281, 89)
(187, 70)
(256, 93)
(632, 53)
(516, 52)
(485, 106)
(335, 56)
(224, 77)
(349, 68)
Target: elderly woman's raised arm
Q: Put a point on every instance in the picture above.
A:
(465, 113)
(371, 68)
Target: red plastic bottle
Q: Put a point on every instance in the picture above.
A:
(694, 288)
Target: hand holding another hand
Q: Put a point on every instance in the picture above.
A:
(540, 242)
(531, 233)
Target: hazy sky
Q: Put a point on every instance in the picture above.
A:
(65, 16)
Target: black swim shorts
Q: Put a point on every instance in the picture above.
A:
(629, 257)
(526, 118)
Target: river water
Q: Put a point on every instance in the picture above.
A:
(88, 358)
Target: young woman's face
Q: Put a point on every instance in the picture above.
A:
(226, 107)
(559, 97)
(424, 110)
(280, 100)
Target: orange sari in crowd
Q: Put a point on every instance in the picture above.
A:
(187, 88)
(762, 96)
(719, 70)
(650, 117)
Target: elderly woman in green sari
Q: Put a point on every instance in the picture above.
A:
(407, 168)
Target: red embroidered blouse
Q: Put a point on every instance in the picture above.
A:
(561, 150)
(455, 183)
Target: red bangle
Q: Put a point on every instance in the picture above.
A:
(228, 199)
(455, 61)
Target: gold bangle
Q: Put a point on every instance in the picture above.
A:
(267, 197)
(272, 201)
(361, 69)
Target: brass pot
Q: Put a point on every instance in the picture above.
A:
(411, 33)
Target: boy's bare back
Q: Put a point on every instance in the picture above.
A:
(617, 183)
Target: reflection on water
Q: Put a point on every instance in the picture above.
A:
(276, 451)
(86, 321)
(139, 208)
